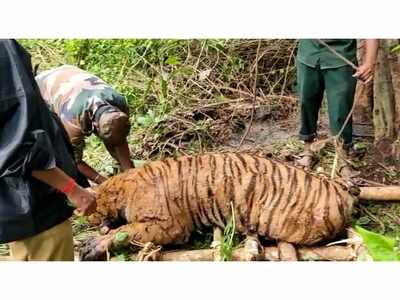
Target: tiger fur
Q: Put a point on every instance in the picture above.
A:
(165, 201)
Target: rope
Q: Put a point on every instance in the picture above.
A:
(338, 54)
(336, 136)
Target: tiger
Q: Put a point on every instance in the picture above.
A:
(164, 201)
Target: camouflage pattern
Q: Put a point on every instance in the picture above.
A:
(75, 95)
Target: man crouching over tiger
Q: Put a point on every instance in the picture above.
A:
(86, 104)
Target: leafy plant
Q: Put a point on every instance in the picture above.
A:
(228, 240)
(121, 237)
(396, 48)
(380, 247)
(4, 250)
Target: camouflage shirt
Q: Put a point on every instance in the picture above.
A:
(75, 95)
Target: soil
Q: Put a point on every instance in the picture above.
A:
(267, 133)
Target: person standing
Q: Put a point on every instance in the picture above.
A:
(37, 170)
(318, 71)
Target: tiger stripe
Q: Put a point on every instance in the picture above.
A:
(269, 198)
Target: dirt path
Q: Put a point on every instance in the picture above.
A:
(265, 134)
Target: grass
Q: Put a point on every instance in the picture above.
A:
(229, 239)
(4, 250)
(379, 218)
(292, 145)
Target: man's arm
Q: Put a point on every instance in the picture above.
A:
(121, 153)
(78, 145)
(83, 199)
(366, 71)
(90, 173)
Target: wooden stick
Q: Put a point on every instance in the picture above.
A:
(254, 97)
(387, 193)
(338, 54)
(271, 253)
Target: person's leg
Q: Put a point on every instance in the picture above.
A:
(340, 89)
(54, 244)
(310, 90)
(18, 251)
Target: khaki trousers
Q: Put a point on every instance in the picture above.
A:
(54, 244)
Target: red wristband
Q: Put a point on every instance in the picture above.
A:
(69, 186)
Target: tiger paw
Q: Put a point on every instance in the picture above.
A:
(287, 252)
(95, 249)
(253, 249)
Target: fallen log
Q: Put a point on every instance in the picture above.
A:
(287, 252)
(384, 193)
(271, 253)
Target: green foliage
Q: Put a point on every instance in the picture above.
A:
(360, 146)
(161, 79)
(396, 48)
(97, 156)
(229, 239)
(380, 247)
(121, 237)
(364, 220)
(4, 250)
(123, 256)
(200, 240)
(233, 66)
(292, 145)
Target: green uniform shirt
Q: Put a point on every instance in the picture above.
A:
(312, 53)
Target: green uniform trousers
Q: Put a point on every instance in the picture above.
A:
(340, 87)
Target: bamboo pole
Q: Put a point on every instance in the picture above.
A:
(384, 193)
(271, 253)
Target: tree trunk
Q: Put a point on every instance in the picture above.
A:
(362, 116)
(387, 100)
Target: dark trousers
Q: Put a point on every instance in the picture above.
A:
(340, 87)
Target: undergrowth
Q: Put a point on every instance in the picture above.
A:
(167, 83)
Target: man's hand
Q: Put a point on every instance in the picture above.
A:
(122, 154)
(83, 199)
(365, 72)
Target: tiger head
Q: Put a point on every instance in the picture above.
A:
(110, 211)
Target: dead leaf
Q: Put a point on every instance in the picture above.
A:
(204, 74)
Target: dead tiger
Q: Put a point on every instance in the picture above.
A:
(165, 201)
